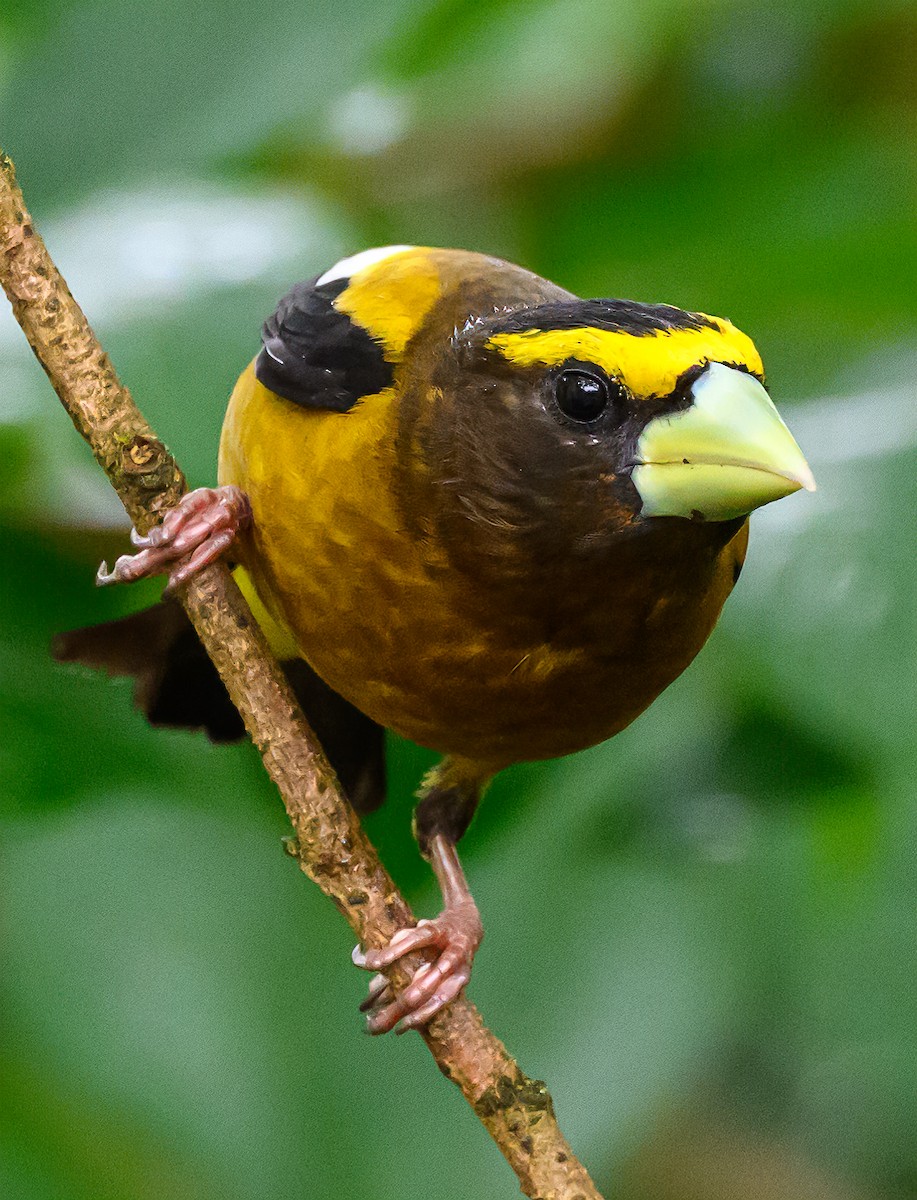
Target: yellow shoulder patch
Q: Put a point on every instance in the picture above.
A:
(391, 297)
(650, 364)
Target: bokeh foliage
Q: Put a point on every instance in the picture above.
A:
(704, 934)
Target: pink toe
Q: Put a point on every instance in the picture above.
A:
(401, 944)
(446, 993)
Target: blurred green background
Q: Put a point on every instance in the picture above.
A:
(704, 934)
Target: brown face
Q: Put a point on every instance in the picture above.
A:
(531, 461)
(524, 447)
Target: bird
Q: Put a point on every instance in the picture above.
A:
(470, 507)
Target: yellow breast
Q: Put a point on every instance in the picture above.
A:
(332, 562)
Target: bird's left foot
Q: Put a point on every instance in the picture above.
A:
(201, 527)
(456, 933)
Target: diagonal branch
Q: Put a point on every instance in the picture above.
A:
(330, 844)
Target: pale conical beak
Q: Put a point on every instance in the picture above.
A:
(726, 455)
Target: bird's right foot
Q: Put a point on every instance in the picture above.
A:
(456, 934)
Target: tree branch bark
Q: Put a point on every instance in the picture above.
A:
(330, 844)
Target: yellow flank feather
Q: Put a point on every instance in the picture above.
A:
(390, 299)
(279, 638)
(649, 365)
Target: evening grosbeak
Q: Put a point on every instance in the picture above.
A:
(470, 507)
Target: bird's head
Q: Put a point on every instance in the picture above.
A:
(652, 411)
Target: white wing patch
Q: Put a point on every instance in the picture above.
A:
(348, 267)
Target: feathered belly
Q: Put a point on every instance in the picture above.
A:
(423, 655)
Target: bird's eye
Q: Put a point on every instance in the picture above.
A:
(581, 395)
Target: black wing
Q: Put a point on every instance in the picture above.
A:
(316, 356)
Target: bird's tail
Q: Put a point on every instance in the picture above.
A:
(176, 685)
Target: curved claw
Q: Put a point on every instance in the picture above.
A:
(127, 568)
(380, 992)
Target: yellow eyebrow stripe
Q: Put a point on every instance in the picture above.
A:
(649, 364)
